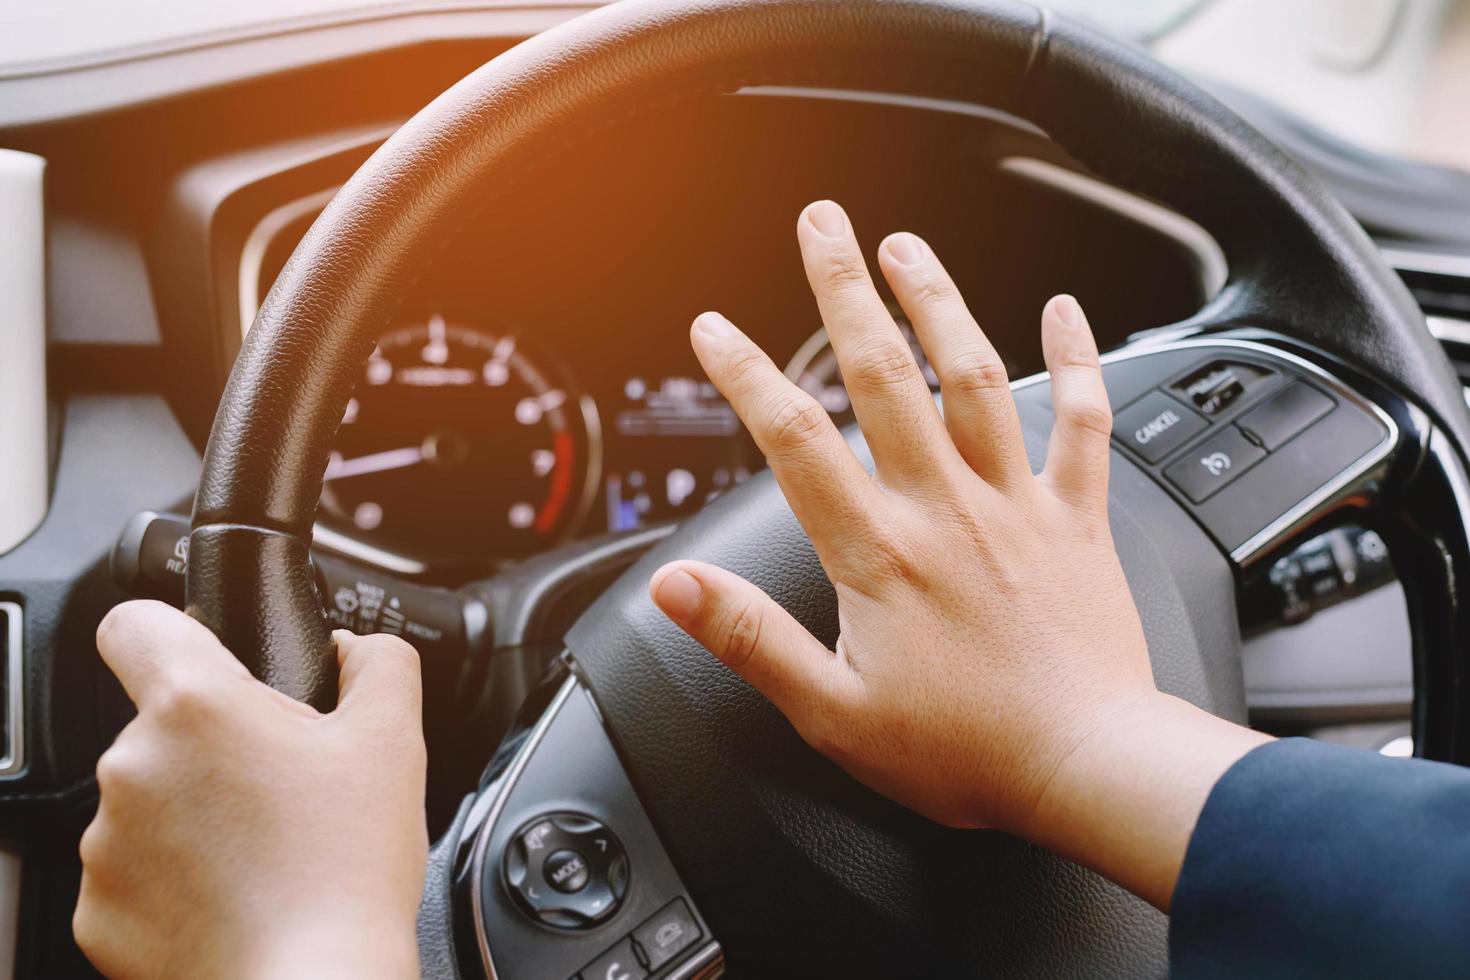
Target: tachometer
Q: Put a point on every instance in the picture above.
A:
(460, 445)
(814, 368)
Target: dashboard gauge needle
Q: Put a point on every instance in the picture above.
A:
(389, 459)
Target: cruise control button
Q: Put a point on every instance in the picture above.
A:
(667, 933)
(1214, 389)
(566, 871)
(1284, 415)
(618, 963)
(1155, 425)
(1214, 463)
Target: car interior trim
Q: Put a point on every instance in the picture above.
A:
(1209, 258)
(956, 107)
(708, 962)
(350, 547)
(68, 89)
(1187, 234)
(274, 28)
(1449, 328)
(23, 433)
(11, 869)
(592, 478)
(1418, 260)
(14, 759)
(258, 242)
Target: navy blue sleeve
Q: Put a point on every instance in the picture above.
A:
(1314, 860)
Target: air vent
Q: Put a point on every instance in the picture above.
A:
(12, 695)
(1440, 282)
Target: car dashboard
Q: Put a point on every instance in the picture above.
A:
(538, 384)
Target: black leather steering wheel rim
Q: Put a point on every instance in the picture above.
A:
(1298, 263)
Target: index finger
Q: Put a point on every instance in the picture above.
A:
(822, 479)
(147, 643)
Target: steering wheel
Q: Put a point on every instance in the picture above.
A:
(792, 866)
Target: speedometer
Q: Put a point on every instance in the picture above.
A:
(461, 444)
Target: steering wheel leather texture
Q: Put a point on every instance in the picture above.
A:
(798, 869)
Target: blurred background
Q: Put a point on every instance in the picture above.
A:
(1391, 75)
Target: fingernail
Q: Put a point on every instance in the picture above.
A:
(827, 218)
(679, 594)
(714, 324)
(1070, 313)
(905, 248)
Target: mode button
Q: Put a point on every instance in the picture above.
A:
(1155, 426)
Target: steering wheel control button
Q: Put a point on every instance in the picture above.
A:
(1215, 388)
(1213, 464)
(666, 934)
(1284, 415)
(1155, 426)
(618, 963)
(566, 870)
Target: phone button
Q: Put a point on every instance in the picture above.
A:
(618, 963)
(667, 934)
(1202, 471)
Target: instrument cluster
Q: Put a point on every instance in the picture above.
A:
(468, 443)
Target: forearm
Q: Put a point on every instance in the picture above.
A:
(1126, 799)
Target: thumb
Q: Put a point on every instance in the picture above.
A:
(752, 635)
(378, 681)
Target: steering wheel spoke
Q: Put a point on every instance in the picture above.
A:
(1254, 438)
(557, 871)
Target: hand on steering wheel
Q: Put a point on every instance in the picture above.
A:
(991, 668)
(242, 833)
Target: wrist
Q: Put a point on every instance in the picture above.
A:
(360, 948)
(1124, 800)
